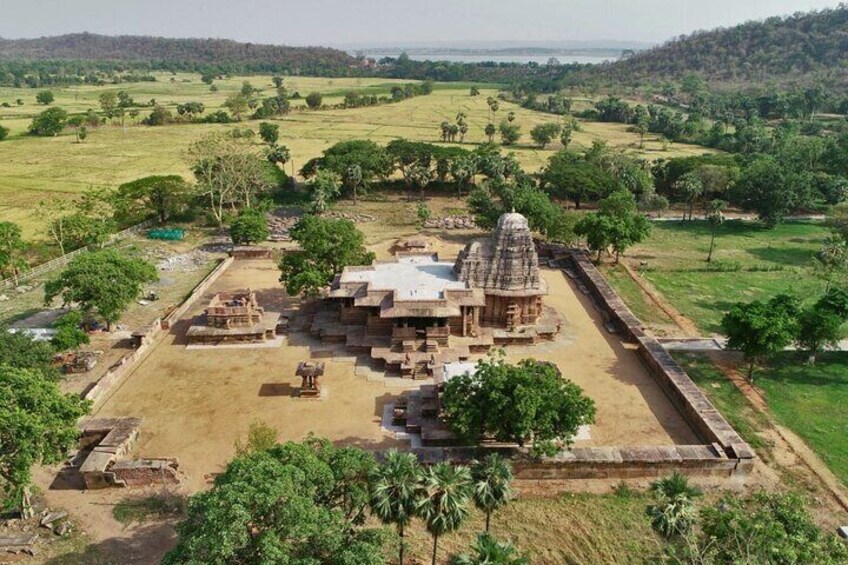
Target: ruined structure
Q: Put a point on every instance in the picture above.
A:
(105, 448)
(235, 316)
(417, 312)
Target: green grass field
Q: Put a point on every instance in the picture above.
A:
(811, 400)
(34, 169)
(755, 262)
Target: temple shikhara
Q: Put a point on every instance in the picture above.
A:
(418, 312)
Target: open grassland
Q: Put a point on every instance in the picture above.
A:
(811, 400)
(569, 529)
(749, 263)
(34, 169)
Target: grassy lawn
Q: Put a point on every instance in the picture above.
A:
(638, 302)
(749, 263)
(812, 401)
(732, 404)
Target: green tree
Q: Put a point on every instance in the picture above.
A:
(108, 102)
(69, 333)
(45, 97)
(269, 132)
(102, 281)
(715, 217)
(250, 226)
(489, 551)
(641, 124)
(821, 325)
(326, 247)
(38, 424)
(21, 351)
(293, 503)
(161, 196)
(689, 187)
(617, 224)
(260, 437)
(544, 134)
(444, 504)
(474, 91)
(525, 403)
(238, 105)
(570, 177)
(565, 135)
(510, 132)
(674, 512)
(761, 329)
(492, 484)
(12, 248)
(4, 133)
(324, 187)
(314, 100)
(396, 492)
(490, 132)
(158, 117)
(50, 122)
(765, 187)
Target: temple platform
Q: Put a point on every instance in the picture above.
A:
(202, 333)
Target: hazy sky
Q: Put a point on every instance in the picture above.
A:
(336, 22)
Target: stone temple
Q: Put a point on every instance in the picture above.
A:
(416, 313)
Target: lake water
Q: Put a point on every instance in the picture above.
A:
(496, 57)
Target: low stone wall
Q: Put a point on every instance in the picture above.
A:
(692, 404)
(100, 391)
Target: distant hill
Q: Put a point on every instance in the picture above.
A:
(176, 54)
(797, 48)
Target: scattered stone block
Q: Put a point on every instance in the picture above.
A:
(51, 517)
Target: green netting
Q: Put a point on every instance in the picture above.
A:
(170, 234)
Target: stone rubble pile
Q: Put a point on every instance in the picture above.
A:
(190, 261)
(281, 222)
(451, 223)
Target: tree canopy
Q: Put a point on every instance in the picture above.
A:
(293, 503)
(162, 196)
(103, 281)
(759, 329)
(250, 226)
(326, 247)
(526, 403)
(37, 426)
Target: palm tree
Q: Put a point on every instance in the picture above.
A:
(445, 503)
(396, 490)
(675, 512)
(489, 551)
(715, 218)
(492, 478)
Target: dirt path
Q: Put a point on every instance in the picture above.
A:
(686, 325)
(786, 439)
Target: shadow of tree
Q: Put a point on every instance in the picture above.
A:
(142, 545)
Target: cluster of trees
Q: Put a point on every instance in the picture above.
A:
(82, 54)
(761, 527)
(777, 49)
(309, 502)
(762, 329)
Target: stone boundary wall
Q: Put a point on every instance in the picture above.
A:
(692, 404)
(100, 391)
(723, 457)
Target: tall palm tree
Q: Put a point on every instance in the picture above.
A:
(675, 512)
(492, 478)
(445, 503)
(396, 491)
(489, 551)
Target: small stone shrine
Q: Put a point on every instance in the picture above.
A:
(233, 316)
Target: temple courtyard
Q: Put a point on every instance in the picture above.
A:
(196, 402)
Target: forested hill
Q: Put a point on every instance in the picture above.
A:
(180, 54)
(798, 48)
